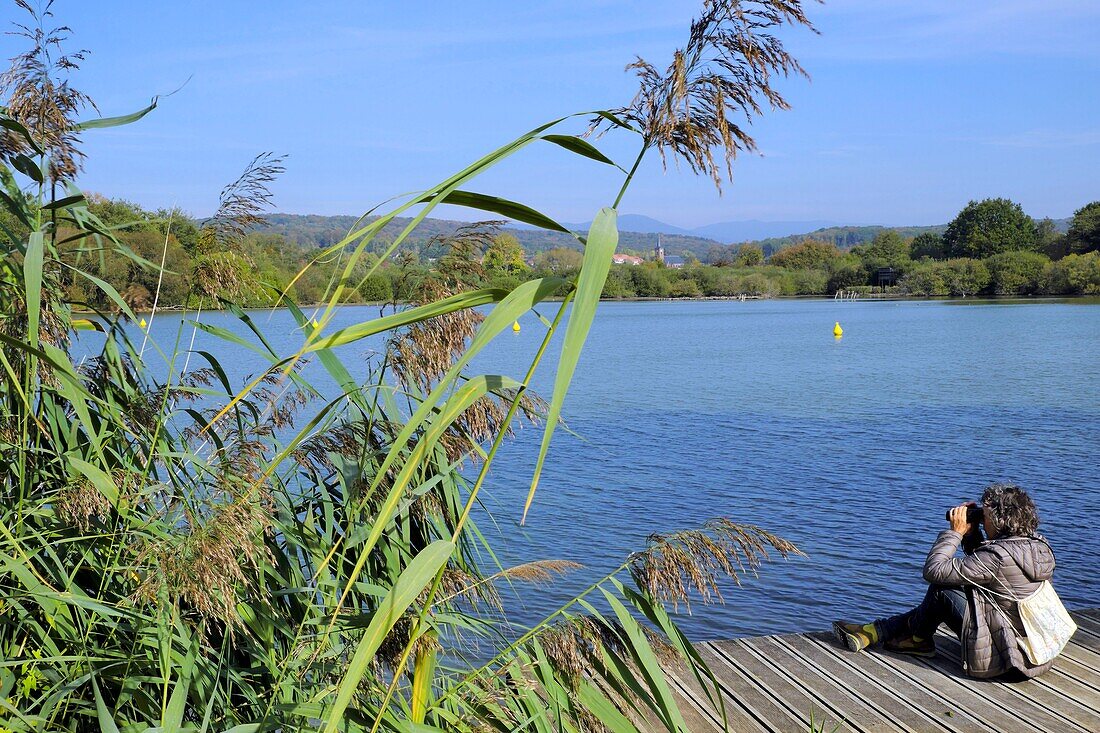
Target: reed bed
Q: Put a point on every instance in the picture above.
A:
(180, 552)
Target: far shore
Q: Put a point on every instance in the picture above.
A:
(863, 297)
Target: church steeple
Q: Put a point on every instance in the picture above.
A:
(659, 251)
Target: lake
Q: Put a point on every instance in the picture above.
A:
(851, 448)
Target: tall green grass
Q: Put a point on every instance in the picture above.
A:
(179, 552)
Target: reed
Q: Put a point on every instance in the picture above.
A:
(183, 553)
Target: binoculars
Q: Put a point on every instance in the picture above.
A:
(974, 514)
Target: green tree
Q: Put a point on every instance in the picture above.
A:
(989, 227)
(559, 260)
(810, 254)
(505, 255)
(1049, 240)
(721, 256)
(1084, 229)
(749, 255)
(927, 244)
(889, 247)
(846, 272)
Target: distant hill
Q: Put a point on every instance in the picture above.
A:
(638, 233)
(311, 230)
(844, 237)
(754, 229)
(724, 232)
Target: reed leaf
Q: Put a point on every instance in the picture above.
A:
(603, 237)
(410, 583)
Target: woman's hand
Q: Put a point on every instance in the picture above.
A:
(958, 519)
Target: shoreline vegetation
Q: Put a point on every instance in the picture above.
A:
(863, 297)
(183, 552)
(991, 249)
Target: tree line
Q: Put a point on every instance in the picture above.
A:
(991, 248)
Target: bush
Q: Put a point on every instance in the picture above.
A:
(810, 282)
(685, 289)
(619, 283)
(965, 276)
(1073, 275)
(376, 289)
(758, 284)
(807, 255)
(649, 282)
(1016, 273)
(925, 278)
(845, 272)
(723, 285)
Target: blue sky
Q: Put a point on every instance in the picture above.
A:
(913, 108)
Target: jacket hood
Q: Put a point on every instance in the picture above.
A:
(1032, 554)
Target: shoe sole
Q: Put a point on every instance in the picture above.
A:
(848, 640)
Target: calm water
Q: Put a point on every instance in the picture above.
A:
(852, 448)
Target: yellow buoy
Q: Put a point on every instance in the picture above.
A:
(837, 330)
(142, 323)
(515, 326)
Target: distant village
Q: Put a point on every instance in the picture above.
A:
(658, 256)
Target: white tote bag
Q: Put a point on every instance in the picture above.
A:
(1047, 623)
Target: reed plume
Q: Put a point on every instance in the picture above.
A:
(715, 86)
(674, 566)
(40, 96)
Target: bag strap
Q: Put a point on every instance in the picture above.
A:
(1010, 596)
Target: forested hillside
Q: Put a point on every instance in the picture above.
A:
(309, 230)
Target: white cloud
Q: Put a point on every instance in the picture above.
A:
(1042, 139)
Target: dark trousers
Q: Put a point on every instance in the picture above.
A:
(941, 605)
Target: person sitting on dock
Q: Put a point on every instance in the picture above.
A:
(975, 594)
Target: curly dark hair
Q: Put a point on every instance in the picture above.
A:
(1010, 510)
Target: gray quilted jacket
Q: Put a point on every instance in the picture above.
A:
(1010, 566)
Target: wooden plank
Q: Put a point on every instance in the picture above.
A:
(885, 691)
(963, 697)
(771, 684)
(1056, 692)
(945, 711)
(1093, 613)
(780, 684)
(863, 715)
(697, 713)
(742, 691)
(688, 688)
(1090, 628)
(1081, 654)
(1035, 708)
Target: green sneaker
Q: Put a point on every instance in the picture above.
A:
(854, 636)
(924, 648)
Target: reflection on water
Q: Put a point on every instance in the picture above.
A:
(852, 448)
